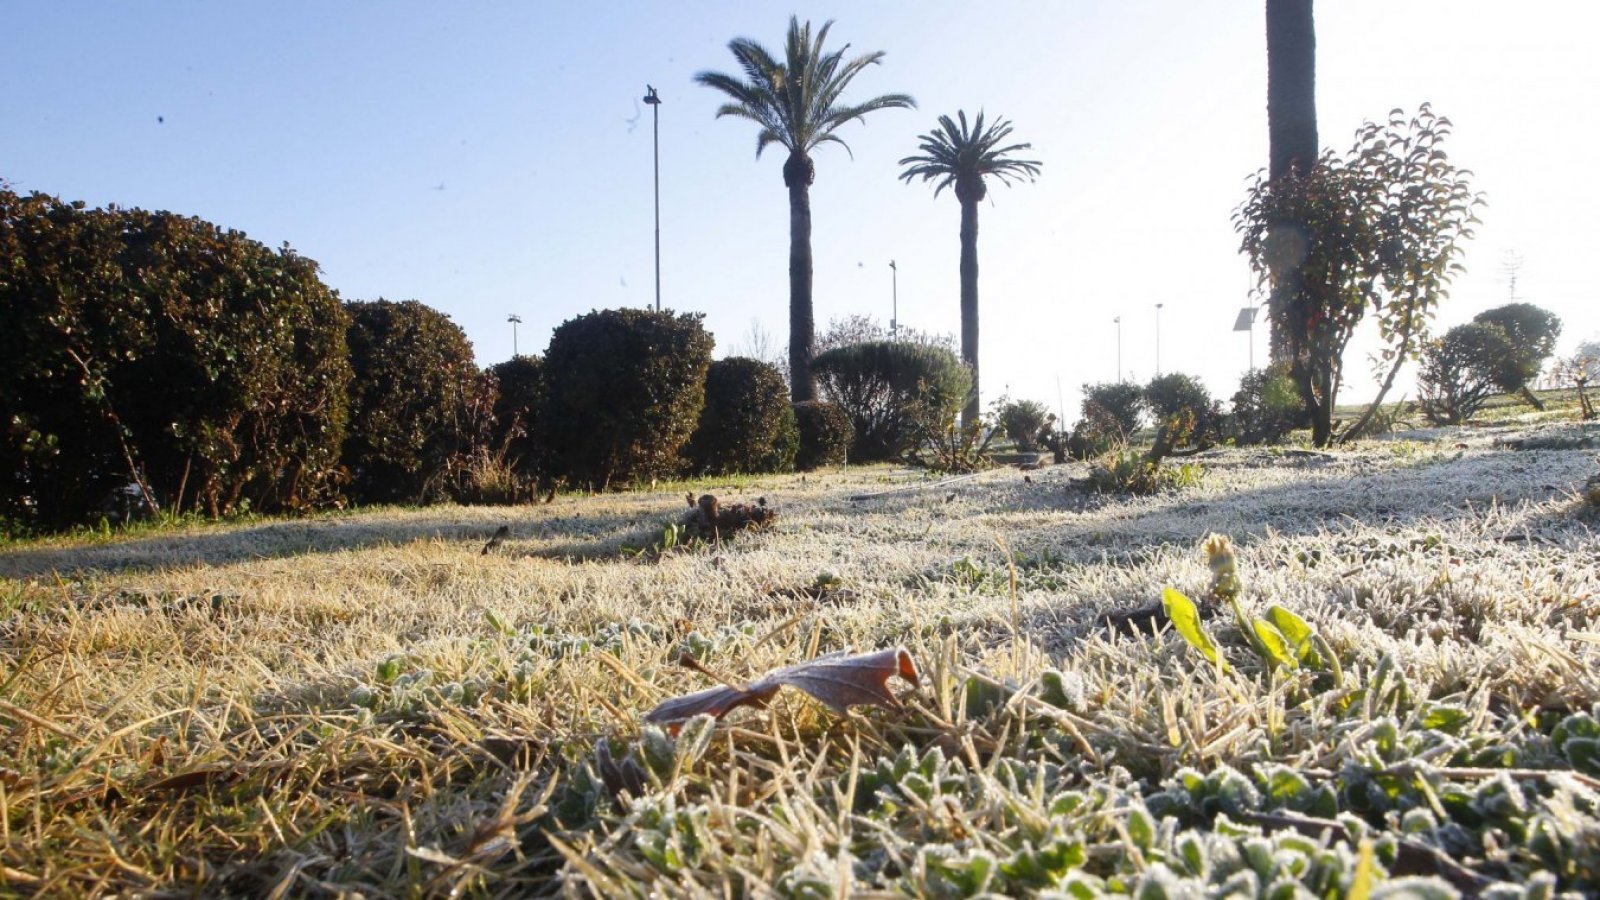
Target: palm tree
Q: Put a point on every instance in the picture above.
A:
(1291, 125)
(797, 104)
(961, 156)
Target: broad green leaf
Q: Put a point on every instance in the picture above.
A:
(1185, 617)
(1274, 643)
(1295, 630)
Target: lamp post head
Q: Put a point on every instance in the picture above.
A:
(652, 97)
(514, 319)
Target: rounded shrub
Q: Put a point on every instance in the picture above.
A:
(825, 434)
(1462, 370)
(625, 388)
(519, 400)
(1266, 407)
(1181, 404)
(415, 400)
(1023, 421)
(881, 384)
(160, 357)
(747, 424)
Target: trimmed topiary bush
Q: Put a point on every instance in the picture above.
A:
(747, 424)
(625, 388)
(1266, 407)
(1023, 421)
(519, 399)
(158, 357)
(415, 400)
(1462, 370)
(1181, 404)
(881, 383)
(825, 434)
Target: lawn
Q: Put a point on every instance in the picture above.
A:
(368, 703)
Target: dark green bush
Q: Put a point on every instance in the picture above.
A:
(747, 423)
(1181, 404)
(519, 398)
(1266, 407)
(1463, 369)
(1112, 413)
(825, 434)
(625, 388)
(415, 400)
(162, 356)
(1022, 421)
(879, 383)
(1531, 334)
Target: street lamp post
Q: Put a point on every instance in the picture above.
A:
(515, 320)
(1118, 320)
(1158, 338)
(894, 294)
(654, 100)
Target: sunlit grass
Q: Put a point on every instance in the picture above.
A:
(367, 703)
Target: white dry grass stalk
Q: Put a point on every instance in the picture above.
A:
(179, 710)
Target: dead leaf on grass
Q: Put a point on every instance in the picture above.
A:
(837, 680)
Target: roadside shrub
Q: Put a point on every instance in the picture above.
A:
(1462, 370)
(1022, 421)
(1182, 406)
(1111, 415)
(879, 382)
(519, 399)
(747, 423)
(825, 434)
(625, 388)
(1266, 406)
(1531, 334)
(414, 400)
(162, 358)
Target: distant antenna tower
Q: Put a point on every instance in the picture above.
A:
(1512, 266)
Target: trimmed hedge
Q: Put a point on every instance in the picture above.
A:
(878, 383)
(825, 434)
(160, 357)
(747, 424)
(625, 391)
(414, 399)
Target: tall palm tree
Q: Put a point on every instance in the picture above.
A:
(797, 104)
(960, 156)
(1291, 125)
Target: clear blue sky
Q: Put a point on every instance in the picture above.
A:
(490, 159)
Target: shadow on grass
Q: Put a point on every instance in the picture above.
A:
(468, 528)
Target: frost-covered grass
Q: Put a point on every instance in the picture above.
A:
(366, 704)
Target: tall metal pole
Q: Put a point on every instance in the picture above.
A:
(655, 124)
(1118, 320)
(515, 320)
(894, 288)
(1158, 339)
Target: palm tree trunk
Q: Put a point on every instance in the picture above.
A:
(1291, 126)
(798, 173)
(969, 304)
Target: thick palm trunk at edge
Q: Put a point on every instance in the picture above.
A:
(802, 386)
(969, 304)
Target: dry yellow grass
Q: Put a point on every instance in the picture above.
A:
(368, 704)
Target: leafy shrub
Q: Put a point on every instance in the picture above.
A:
(519, 398)
(1114, 406)
(1022, 421)
(825, 434)
(1266, 407)
(162, 355)
(1123, 470)
(1463, 369)
(1181, 404)
(1531, 335)
(412, 398)
(747, 424)
(625, 388)
(879, 382)
(1111, 414)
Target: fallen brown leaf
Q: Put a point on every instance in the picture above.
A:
(837, 680)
